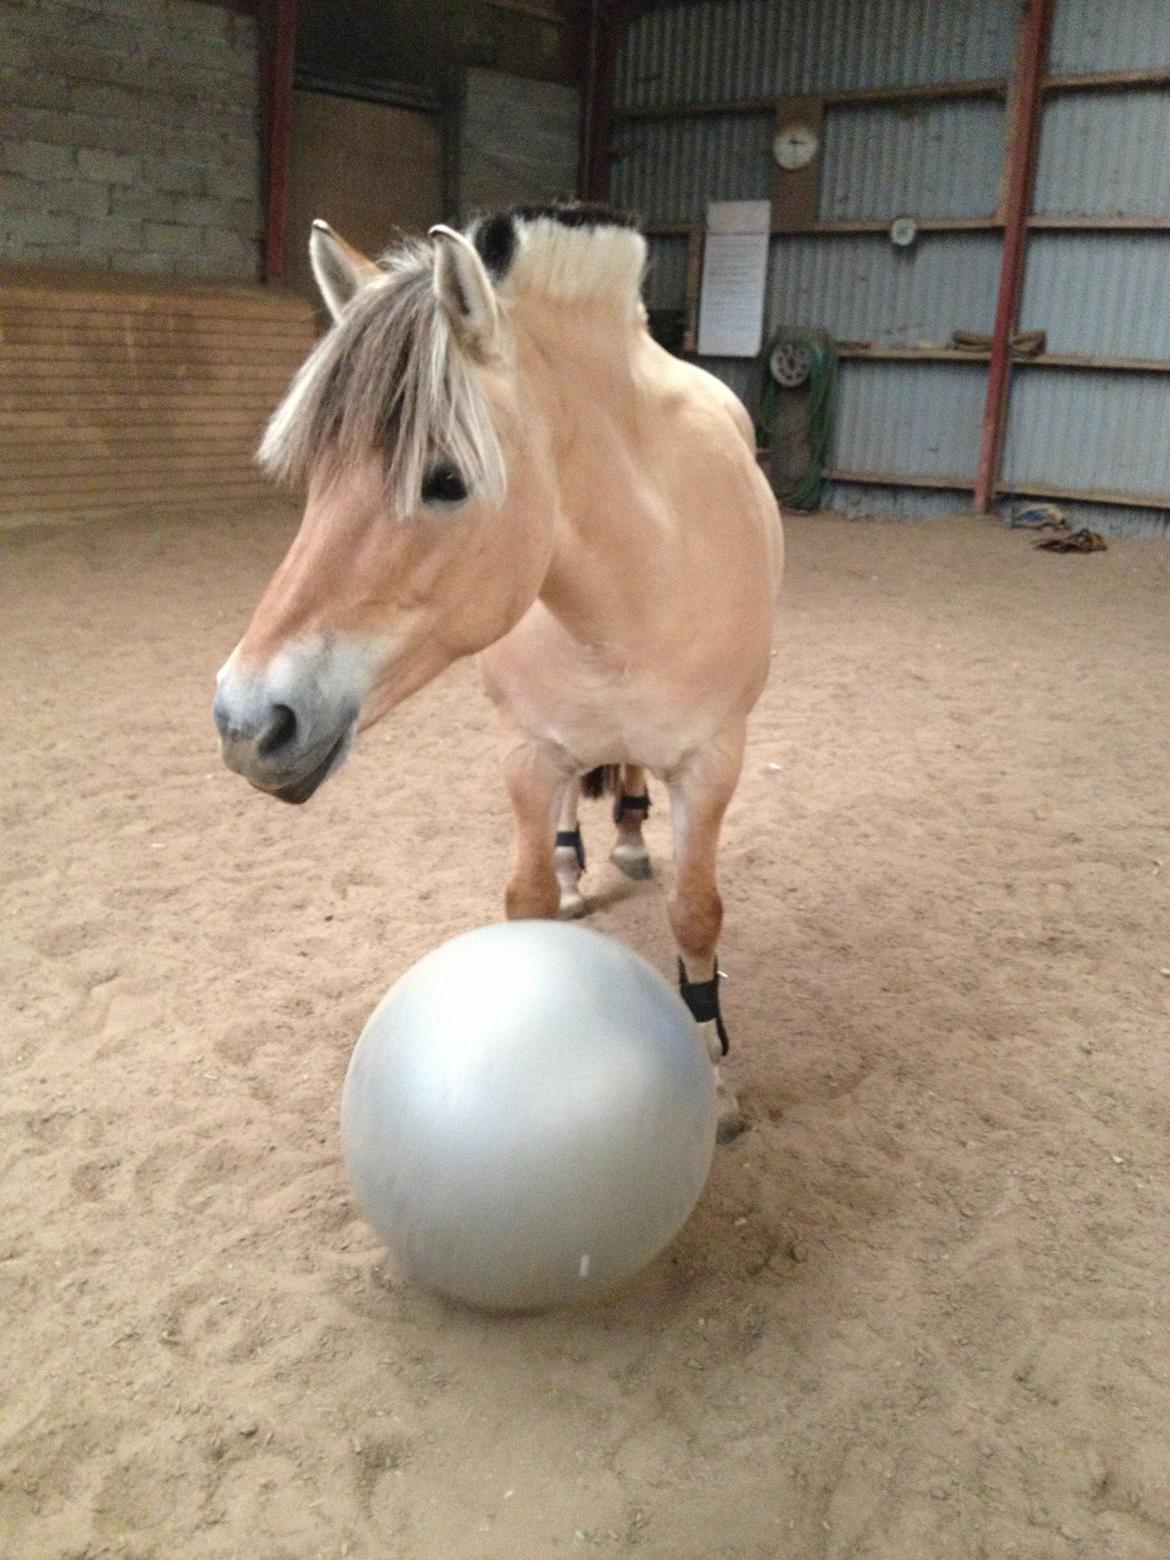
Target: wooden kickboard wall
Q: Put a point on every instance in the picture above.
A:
(122, 393)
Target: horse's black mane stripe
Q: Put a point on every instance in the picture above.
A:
(494, 236)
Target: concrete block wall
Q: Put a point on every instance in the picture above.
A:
(130, 137)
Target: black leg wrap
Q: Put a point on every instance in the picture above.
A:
(702, 997)
(570, 839)
(631, 804)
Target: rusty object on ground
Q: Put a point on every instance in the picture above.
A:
(1065, 541)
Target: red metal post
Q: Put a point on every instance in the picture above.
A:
(608, 21)
(600, 81)
(1024, 134)
(281, 63)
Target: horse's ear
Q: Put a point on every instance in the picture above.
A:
(338, 267)
(465, 290)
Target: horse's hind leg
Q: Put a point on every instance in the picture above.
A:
(629, 813)
(569, 855)
(699, 794)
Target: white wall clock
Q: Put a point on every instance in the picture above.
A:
(795, 145)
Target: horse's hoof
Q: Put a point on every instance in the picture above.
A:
(633, 860)
(730, 1120)
(572, 908)
(730, 1123)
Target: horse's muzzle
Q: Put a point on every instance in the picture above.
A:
(284, 748)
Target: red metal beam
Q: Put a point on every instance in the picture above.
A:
(1024, 128)
(598, 114)
(281, 62)
(608, 20)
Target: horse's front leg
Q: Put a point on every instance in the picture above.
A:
(700, 791)
(536, 787)
(629, 813)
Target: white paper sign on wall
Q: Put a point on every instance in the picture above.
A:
(735, 269)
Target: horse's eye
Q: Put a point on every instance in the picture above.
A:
(443, 485)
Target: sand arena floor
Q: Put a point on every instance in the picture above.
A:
(922, 1311)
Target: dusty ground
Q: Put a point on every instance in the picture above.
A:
(922, 1312)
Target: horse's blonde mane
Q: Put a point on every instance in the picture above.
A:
(570, 264)
(391, 378)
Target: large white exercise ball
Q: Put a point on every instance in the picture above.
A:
(528, 1116)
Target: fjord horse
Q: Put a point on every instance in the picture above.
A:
(501, 461)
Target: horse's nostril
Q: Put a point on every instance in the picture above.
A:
(279, 733)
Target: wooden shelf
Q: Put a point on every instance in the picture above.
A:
(910, 355)
(944, 484)
(880, 226)
(863, 97)
(957, 484)
(1079, 360)
(1106, 80)
(850, 97)
(1084, 495)
(1039, 223)
(876, 225)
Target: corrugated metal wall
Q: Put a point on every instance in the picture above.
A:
(933, 159)
(722, 49)
(1101, 153)
(1090, 35)
(859, 287)
(1099, 293)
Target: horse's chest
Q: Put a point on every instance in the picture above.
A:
(595, 704)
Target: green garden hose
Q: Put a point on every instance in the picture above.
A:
(803, 364)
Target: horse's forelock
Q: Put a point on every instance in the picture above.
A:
(389, 378)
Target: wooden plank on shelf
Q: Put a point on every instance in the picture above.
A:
(848, 97)
(919, 92)
(909, 355)
(1041, 223)
(1106, 80)
(876, 225)
(1078, 360)
(881, 225)
(1025, 489)
(947, 483)
(1111, 496)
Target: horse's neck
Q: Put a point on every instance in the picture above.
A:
(586, 375)
(577, 360)
(585, 368)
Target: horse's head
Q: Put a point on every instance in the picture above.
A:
(428, 523)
